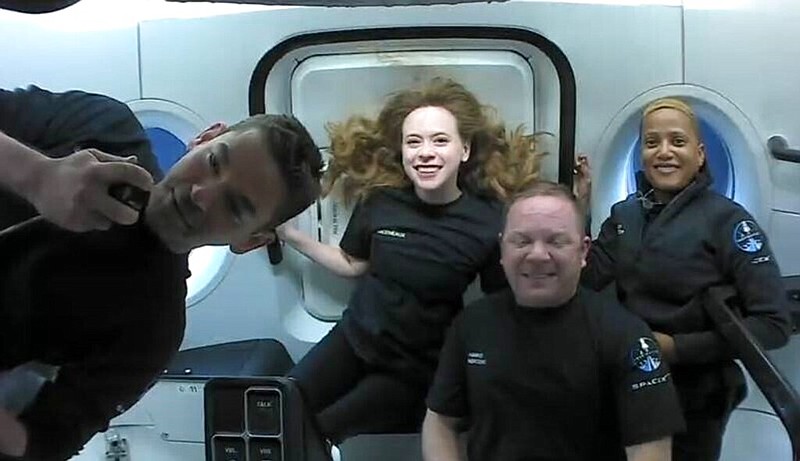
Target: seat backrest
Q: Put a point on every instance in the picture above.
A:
(253, 357)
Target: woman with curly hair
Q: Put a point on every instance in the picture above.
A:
(429, 175)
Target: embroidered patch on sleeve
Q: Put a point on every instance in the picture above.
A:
(748, 237)
(645, 355)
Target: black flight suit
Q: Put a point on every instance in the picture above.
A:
(663, 259)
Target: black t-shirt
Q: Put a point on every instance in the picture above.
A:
(422, 258)
(577, 382)
(107, 307)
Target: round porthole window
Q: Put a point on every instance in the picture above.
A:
(170, 127)
(167, 147)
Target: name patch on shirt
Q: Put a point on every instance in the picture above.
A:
(391, 233)
(645, 355)
(476, 358)
(747, 236)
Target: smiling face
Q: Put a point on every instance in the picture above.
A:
(543, 250)
(225, 191)
(432, 153)
(672, 153)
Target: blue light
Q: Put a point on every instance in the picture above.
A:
(718, 157)
(167, 147)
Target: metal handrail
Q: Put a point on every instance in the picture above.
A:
(780, 394)
(779, 148)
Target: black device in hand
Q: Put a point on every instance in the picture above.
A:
(275, 252)
(130, 195)
(125, 193)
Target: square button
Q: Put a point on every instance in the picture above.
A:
(228, 410)
(264, 412)
(265, 450)
(229, 449)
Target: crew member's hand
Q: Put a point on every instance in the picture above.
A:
(13, 435)
(667, 345)
(288, 231)
(582, 182)
(280, 231)
(72, 192)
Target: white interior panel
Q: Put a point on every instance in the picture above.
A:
(749, 54)
(755, 436)
(100, 61)
(145, 443)
(611, 39)
(783, 239)
(785, 359)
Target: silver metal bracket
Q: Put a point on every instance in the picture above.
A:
(116, 447)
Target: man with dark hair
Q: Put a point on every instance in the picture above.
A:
(295, 153)
(547, 370)
(98, 289)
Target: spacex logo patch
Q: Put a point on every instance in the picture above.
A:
(645, 355)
